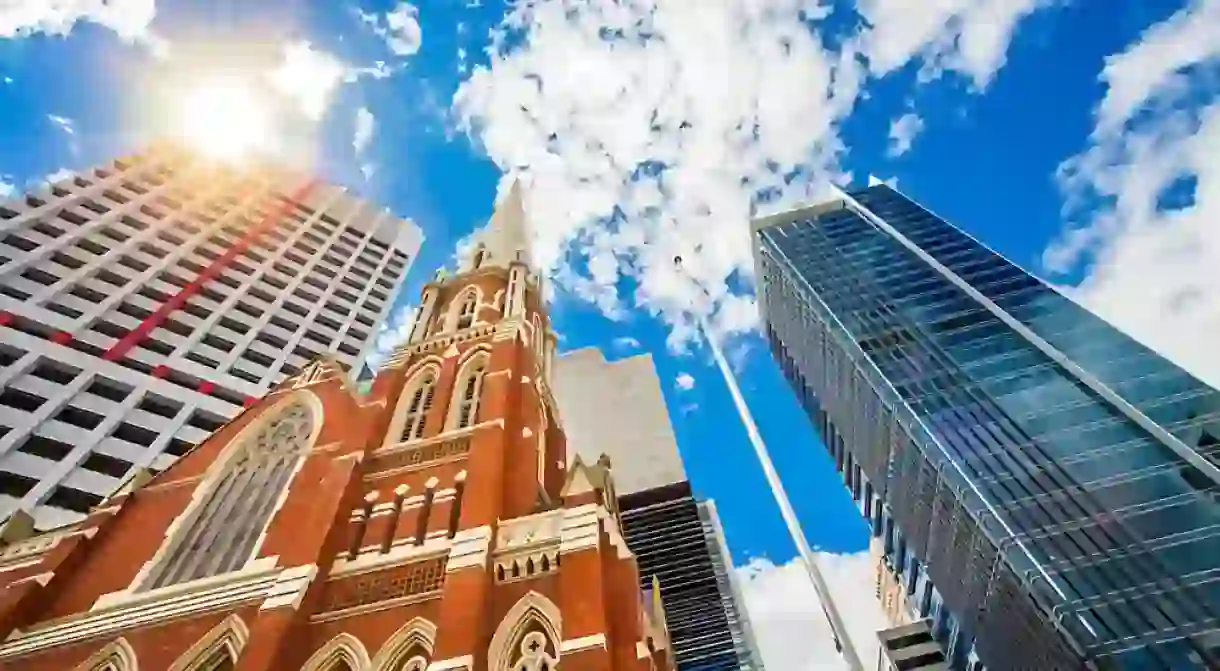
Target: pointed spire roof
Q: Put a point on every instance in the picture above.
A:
(507, 235)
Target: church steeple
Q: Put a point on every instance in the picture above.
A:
(506, 238)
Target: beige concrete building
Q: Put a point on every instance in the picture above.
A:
(617, 408)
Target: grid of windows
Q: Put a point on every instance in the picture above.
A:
(963, 440)
(676, 541)
(259, 275)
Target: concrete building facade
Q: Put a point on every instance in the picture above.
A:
(144, 302)
(432, 523)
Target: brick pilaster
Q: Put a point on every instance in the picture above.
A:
(314, 544)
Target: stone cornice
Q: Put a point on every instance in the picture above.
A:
(469, 549)
(274, 587)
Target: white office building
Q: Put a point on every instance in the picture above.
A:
(143, 302)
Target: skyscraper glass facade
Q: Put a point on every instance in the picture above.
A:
(1045, 486)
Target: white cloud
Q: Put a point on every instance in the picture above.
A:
(789, 626)
(7, 189)
(626, 343)
(364, 130)
(63, 123)
(653, 144)
(1147, 193)
(684, 381)
(392, 333)
(727, 97)
(59, 176)
(399, 27)
(902, 133)
(970, 37)
(368, 170)
(307, 77)
(129, 19)
(874, 180)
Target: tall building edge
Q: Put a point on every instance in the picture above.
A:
(1006, 446)
(748, 656)
(147, 300)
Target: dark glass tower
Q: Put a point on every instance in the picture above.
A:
(677, 541)
(1045, 486)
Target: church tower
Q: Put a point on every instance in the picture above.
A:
(429, 524)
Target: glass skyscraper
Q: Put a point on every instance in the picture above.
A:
(1045, 487)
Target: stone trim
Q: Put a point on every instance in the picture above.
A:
(151, 608)
(436, 343)
(410, 503)
(583, 643)
(404, 552)
(173, 484)
(388, 604)
(581, 528)
(469, 549)
(463, 663)
(22, 551)
(290, 587)
(35, 561)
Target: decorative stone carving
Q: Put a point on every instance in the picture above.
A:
(534, 655)
(421, 454)
(401, 581)
(525, 532)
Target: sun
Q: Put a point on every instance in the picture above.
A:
(224, 117)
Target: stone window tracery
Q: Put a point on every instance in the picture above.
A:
(411, 662)
(223, 530)
(419, 404)
(533, 654)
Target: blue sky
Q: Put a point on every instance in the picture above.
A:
(1053, 130)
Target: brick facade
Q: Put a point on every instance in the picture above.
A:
(467, 545)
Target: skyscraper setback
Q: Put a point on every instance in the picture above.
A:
(145, 301)
(1044, 486)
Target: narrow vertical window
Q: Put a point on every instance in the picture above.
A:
(470, 388)
(418, 406)
(479, 256)
(539, 340)
(466, 314)
(225, 527)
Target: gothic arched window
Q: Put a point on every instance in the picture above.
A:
(469, 388)
(225, 526)
(408, 649)
(421, 392)
(470, 304)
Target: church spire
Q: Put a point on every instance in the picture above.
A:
(506, 238)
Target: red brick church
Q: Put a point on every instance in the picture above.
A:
(429, 524)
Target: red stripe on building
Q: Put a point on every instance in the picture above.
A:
(175, 302)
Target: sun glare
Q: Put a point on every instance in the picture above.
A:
(225, 118)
